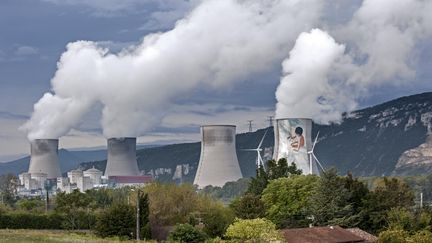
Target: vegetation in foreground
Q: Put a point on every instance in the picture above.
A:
(278, 197)
(36, 236)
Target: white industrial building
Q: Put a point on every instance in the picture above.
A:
(32, 181)
(78, 179)
(218, 162)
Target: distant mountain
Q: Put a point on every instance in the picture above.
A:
(368, 142)
(393, 138)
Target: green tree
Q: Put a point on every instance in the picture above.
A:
(400, 218)
(31, 204)
(216, 218)
(8, 189)
(281, 169)
(103, 197)
(358, 191)
(253, 230)
(77, 207)
(286, 200)
(258, 183)
(172, 204)
(117, 220)
(332, 202)
(391, 193)
(248, 206)
(187, 233)
(145, 229)
(393, 236)
(423, 236)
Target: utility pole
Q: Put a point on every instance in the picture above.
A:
(270, 119)
(138, 223)
(421, 199)
(250, 125)
(138, 216)
(47, 187)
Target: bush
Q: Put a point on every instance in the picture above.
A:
(393, 236)
(79, 219)
(26, 220)
(423, 236)
(249, 206)
(257, 230)
(187, 233)
(118, 220)
(216, 219)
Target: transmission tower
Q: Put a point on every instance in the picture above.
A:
(250, 125)
(270, 119)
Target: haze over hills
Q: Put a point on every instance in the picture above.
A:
(393, 138)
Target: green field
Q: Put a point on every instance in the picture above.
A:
(52, 236)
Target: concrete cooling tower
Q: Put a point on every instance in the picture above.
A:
(121, 160)
(293, 142)
(44, 157)
(218, 162)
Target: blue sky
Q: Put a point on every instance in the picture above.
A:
(34, 33)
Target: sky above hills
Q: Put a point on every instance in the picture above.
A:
(34, 34)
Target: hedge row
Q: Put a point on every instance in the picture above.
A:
(25, 220)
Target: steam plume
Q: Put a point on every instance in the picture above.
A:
(322, 79)
(219, 42)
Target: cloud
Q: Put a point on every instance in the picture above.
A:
(12, 116)
(26, 51)
(113, 8)
(168, 13)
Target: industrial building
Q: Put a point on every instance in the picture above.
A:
(44, 157)
(121, 160)
(293, 141)
(218, 162)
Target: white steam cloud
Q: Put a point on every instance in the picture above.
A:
(305, 90)
(220, 42)
(322, 79)
(224, 41)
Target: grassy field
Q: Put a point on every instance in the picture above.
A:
(52, 236)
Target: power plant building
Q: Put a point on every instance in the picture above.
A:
(218, 162)
(44, 158)
(293, 142)
(121, 159)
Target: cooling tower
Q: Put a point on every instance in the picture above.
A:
(44, 157)
(293, 142)
(218, 162)
(121, 160)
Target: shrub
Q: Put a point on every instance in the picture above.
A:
(249, 206)
(423, 236)
(257, 230)
(117, 220)
(187, 233)
(393, 236)
(216, 218)
(26, 220)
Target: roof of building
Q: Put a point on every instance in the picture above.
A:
(331, 234)
(363, 234)
(93, 170)
(131, 179)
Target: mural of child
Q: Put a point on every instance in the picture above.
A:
(298, 141)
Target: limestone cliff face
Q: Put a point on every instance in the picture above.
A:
(418, 159)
